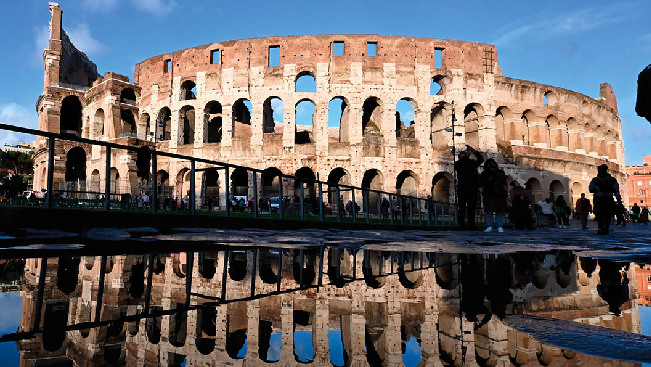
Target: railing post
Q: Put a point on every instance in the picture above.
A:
(280, 269)
(402, 210)
(302, 193)
(320, 201)
(428, 204)
(153, 200)
(50, 173)
(280, 196)
(225, 275)
(253, 270)
(227, 180)
(436, 216)
(188, 278)
(192, 186)
(353, 205)
(368, 218)
(420, 214)
(107, 180)
(255, 194)
(411, 212)
(338, 205)
(390, 209)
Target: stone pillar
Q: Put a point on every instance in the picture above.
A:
(227, 127)
(289, 130)
(320, 127)
(575, 140)
(538, 136)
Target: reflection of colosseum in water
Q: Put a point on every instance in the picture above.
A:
(237, 101)
(336, 307)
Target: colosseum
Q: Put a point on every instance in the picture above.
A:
(371, 111)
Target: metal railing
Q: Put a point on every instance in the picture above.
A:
(305, 201)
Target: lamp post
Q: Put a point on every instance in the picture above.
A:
(454, 160)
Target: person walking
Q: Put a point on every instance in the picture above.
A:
(467, 185)
(520, 212)
(620, 214)
(604, 186)
(547, 209)
(635, 213)
(493, 183)
(562, 211)
(644, 216)
(583, 207)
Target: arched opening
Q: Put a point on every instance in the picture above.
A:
(502, 133)
(186, 122)
(236, 327)
(441, 137)
(405, 115)
(207, 264)
(153, 325)
(412, 319)
(471, 115)
(270, 337)
(95, 182)
(550, 99)
(188, 90)
(535, 190)
(206, 329)
(305, 82)
(115, 180)
(575, 191)
(237, 265)
(557, 189)
(143, 163)
(137, 280)
(242, 119)
(371, 116)
(182, 183)
(376, 316)
(211, 187)
(304, 117)
(239, 182)
(407, 183)
(75, 171)
(54, 325)
(441, 187)
(127, 124)
(68, 274)
(70, 122)
(270, 181)
(575, 138)
(163, 180)
(557, 132)
(373, 261)
(337, 176)
(98, 123)
(306, 274)
(164, 122)
(145, 125)
(338, 116)
(436, 85)
(303, 341)
(128, 96)
(178, 325)
(522, 128)
(213, 120)
(273, 115)
(372, 180)
(269, 265)
(307, 178)
(337, 347)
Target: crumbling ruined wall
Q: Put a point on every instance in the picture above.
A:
(75, 67)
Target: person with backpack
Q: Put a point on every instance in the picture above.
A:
(604, 186)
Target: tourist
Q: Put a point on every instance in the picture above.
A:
(583, 207)
(145, 200)
(562, 211)
(635, 213)
(644, 216)
(620, 214)
(340, 206)
(604, 186)
(547, 209)
(493, 182)
(520, 212)
(385, 207)
(467, 185)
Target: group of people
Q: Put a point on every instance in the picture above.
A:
(496, 199)
(492, 180)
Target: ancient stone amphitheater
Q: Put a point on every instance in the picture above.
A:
(333, 107)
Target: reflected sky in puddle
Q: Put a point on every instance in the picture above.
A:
(318, 305)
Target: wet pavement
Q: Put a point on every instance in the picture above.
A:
(193, 296)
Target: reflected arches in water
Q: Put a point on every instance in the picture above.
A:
(68, 274)
(303, 338)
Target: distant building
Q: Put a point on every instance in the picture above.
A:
(643, 275)
(639, 183)
(22, 147)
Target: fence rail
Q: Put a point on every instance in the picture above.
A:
(291, 197)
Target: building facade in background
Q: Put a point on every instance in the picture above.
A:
(639, 183)
(238, 102)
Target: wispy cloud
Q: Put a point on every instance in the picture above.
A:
(15, 114)
(82, 38)
(156, 7)
(577, 21)
(41, 38)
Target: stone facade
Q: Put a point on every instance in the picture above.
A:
(196, 102)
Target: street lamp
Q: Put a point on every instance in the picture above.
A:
(454, 160)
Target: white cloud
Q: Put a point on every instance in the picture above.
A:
(101, 5)
(14, 114)
(41, 40)
(156, 7)
(82, 39)
(568, 22)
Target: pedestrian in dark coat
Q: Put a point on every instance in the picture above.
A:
(604, 186)
(467, 185)
(493, 183)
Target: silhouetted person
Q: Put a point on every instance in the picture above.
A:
(604, 186)
(498, 284)
(635, 213)
(467, 185)
(613, 287)
(473, 291)
(643, 104)
(562, 211)
(583, 208)
(493, 182)
(520, 212)
(620, 213)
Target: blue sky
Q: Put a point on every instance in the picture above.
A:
(575, 45)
